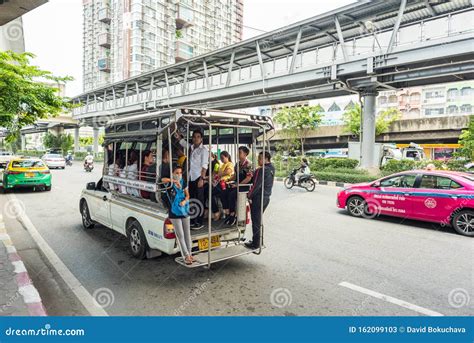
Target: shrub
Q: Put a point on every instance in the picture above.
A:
(456, 165)
(333, 163)
(343, 177)
(396, 166)
(30, 153)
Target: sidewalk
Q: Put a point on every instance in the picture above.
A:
(18, 295)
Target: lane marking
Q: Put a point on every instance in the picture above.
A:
(390, 299)
(73, 283)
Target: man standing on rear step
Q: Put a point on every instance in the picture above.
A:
(263, 177)
(198, 164)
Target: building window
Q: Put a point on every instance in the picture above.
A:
(349, 105)
(466, 91)
(453, 93)
(415, 97)
(434, 94)
(434, 111)
(452, 109)
(334, 107)
(382, 100)
(392, 99)
(466, 108)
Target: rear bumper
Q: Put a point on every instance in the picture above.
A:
(37, 181)
(56, 164)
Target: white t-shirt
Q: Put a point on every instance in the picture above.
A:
(198, 159)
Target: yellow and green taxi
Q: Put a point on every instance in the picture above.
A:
(26, 172)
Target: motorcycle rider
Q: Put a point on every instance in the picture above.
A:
(89, 159)
(302, 170)
(69, 158)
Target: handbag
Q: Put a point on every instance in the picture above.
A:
(176, 208)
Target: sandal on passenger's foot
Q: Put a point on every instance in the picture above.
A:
(188, 260)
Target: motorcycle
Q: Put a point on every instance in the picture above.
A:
(88, 166)
(69, 160)
(305, 181)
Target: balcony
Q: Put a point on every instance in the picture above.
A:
(183, 51)
(104, 64)
(104, 15)
(184, 17)
(104, 40)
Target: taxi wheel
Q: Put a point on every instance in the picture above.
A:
(47, 188)
(463, 222)
(357, 206)
(86, 217)
(136, 240)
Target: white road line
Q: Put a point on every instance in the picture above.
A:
(76, 287)
(390, 299)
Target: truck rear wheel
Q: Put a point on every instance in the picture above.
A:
(137, 240)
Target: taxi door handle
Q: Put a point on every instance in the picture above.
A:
(105, 198)
(406, 194)
(454, 196)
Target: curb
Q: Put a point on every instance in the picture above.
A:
(28, 291)
(324, 183)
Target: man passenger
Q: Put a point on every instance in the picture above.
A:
(148, 171)
(198, 164)
(263, 177)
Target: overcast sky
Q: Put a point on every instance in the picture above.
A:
(53, 32)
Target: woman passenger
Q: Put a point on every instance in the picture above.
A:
(179, 212)
(225, 173)
(132, 172)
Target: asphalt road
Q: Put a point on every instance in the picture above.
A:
(318, 261)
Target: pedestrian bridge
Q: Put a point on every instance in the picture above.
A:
(362, 47)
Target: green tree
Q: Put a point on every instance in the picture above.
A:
(466, 140)
(25, 95)
(85, 141)
(61, 141)
(352, 118)
(297, 122)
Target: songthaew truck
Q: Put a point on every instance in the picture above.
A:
(385, 152)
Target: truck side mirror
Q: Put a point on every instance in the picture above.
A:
(90, 186)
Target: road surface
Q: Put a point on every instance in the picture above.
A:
(318, 261)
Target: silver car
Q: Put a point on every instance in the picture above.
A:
(54, 161)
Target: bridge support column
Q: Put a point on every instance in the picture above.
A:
(23, 142)
(367, 137)
(95, 140)
(76, 139)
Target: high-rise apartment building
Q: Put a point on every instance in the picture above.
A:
(124, 38)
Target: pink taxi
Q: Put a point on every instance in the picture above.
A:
(434, 196)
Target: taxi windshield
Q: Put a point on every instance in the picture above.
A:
(27, 164)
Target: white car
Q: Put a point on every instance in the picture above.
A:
(54, 161)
